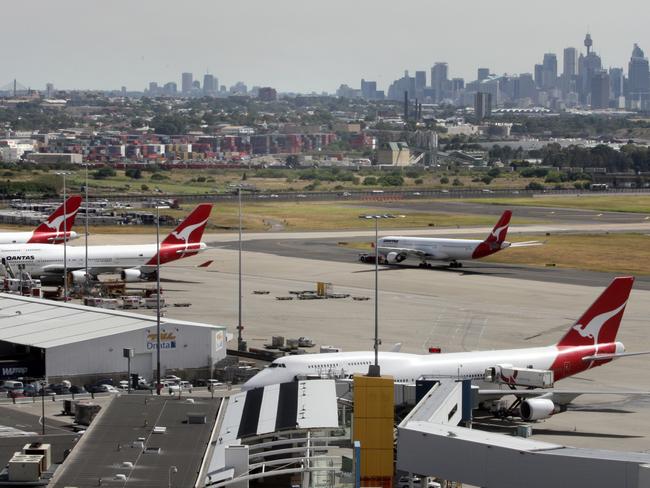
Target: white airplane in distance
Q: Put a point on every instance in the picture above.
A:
(133, 262)
(395, 249)
(590, 342)
(53, 230)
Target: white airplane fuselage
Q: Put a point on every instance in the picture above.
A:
(407, 368)
(37, 258)
(435, 248)
(24, 237)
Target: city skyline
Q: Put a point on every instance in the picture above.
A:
(300, 47)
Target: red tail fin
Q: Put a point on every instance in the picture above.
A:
(184, 240)
(54, 227)
(190, 230)
(500, 230)
(600, 323)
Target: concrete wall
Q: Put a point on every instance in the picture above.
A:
(183, 347)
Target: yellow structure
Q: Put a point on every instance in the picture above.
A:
(373, 428)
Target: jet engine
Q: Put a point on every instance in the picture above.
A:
(395, 257)
(78, 276)
(538, 409)
(131, 275)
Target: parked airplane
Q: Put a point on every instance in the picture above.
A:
(52, 231)
(590, 342)
(395, 249)
(133, 262)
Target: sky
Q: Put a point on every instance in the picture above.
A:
(300, 45)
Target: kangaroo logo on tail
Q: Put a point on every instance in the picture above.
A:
(592, 329)
(184, 234)
(496, 233)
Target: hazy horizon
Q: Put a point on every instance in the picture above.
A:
(298, 45)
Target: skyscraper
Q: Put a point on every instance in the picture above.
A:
(439, 78)
(368, 89)
(482, 105)
(588, 66)
(186, 83)
(549, 71)
(570, 70)
(420, 83)
(638, 78)
(210, 85)
(539, 75)
(616, 83)
(600, 90)
(483, 74)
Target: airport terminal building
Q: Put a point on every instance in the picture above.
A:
(41, 338)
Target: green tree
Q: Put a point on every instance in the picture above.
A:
(103, 173)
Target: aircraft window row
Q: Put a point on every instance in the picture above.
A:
(318, 366)
(359, 363)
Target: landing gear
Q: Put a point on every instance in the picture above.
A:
(455, 264)
(424, 264)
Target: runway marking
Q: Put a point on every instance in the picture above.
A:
(6, 431)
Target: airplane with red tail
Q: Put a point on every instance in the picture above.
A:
(395, 249)
(588, 343)
(53, 231)
(132, 262)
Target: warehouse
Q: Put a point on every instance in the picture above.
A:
(41, 338)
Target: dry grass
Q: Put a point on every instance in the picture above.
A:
(606, 203)
(614, 253)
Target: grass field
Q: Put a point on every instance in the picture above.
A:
(606, 203)
(596, 252)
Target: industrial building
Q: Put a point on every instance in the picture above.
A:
(41, 338)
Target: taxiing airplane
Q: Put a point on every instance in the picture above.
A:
(590, 342)
(395, 249)
(133, 262)
(52, 231)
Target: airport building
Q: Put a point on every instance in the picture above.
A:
(42, 338)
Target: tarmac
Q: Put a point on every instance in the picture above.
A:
(478, 307)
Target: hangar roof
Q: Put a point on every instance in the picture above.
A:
(45, 323)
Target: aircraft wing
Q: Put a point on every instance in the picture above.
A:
(559, 397)
(526, 244)
(615, 355)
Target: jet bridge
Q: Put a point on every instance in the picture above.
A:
(430, 443)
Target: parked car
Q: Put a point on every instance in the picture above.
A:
(107, 389)
(77, 389)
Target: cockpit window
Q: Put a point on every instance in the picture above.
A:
(277, 365)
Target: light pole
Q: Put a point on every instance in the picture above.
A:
(172, 470)
(87, 280)
(240, 340)
(65, 238)
(373, 369)
(158, 207)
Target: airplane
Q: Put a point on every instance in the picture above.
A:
(395, 249)
(52, 230)
(589, 342)
(133, 262)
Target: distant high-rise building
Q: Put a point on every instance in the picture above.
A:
(549, 71)
(524, 87)
(186, 83)
(483, 74)
(420, 83)
(49, 90)
(482, 105)
(196, 85)
(210, 84)
(539, 75)
(170, 89)
(239, 88)
(570, 70)
(600, 90)
(153, 88)
(123, 90)
(616, 83)
(267, 94)
(368, 90)
(638, 78)
(457, 87)
(439, 78)
(588, 66)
